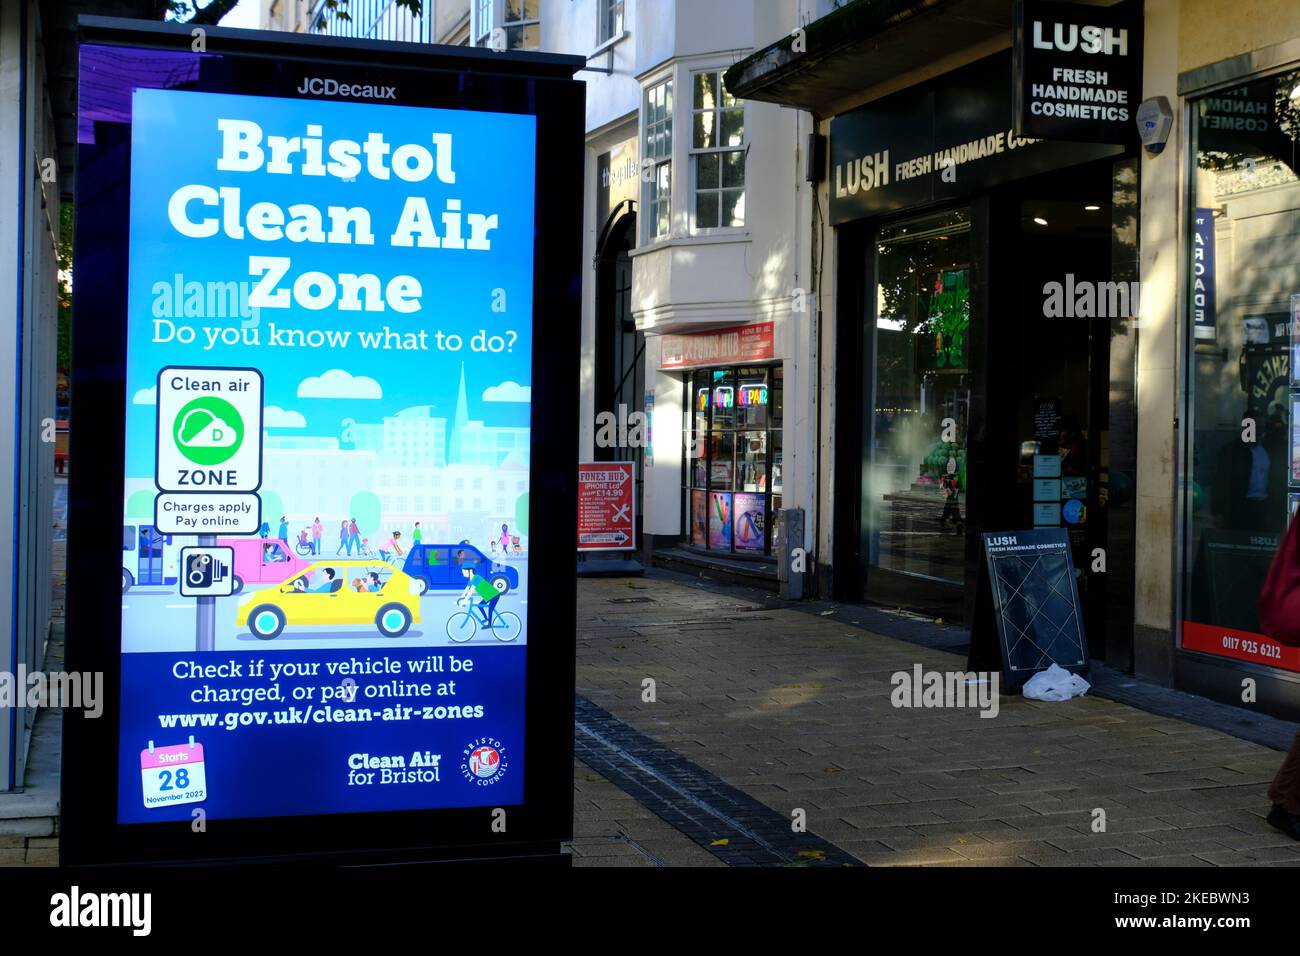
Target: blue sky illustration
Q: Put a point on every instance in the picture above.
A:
(176, 142)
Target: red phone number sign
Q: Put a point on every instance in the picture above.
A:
(1243, 645)
(605, 506)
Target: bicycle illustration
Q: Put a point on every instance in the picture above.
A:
(463, 625)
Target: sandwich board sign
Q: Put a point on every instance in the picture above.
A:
(1028, 596)
(605, 506)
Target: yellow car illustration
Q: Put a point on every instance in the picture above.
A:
(334, 592)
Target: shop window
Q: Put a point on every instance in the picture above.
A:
(1242, 462)
(657, 154)
(917, 456)
(717, 153)
(732, 474)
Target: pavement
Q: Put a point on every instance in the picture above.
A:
(762, 719)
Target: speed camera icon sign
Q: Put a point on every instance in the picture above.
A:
(209, 429)
(207, 572)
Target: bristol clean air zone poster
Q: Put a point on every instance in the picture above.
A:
(325, 542)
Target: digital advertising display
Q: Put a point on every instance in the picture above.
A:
(327, 443)
(373, 241)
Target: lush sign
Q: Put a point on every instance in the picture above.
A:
(1078, 70)
(943, 139)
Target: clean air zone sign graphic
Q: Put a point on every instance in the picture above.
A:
(209, 429)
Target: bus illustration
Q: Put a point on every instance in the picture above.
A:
(150, 557)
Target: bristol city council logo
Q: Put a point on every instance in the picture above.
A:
(483, 761)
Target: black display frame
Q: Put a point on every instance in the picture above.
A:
(275, 64)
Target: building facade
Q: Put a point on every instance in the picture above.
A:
(697, 311)
(965, 399)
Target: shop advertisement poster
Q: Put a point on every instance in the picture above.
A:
(325, 526)
(699, 518)
(605, 506)
(1295, 438)
(751, 521)
(1295, 341)
(720, 505)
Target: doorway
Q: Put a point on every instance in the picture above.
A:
(985, 403)
(620, 348)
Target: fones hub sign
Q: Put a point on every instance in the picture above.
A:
(1077, 70)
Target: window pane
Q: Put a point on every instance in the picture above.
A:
(704, 136)
(733, 127)
(1243, 345)
(706, 210)
(733, 168)
(751, 461)
(706, 171)
(722, 451)
(514, 9)
(705, 90)
(914, 503)
(733, 207)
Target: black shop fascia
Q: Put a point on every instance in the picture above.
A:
(965, 401)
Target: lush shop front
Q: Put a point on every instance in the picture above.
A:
(977, 387)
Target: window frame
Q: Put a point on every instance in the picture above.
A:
(693, 152)
(663, 160)
(605, 19)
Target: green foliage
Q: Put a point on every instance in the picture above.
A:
(272, 508)
(521, 514)
(63, 250)
(365, 507)
(140, 505)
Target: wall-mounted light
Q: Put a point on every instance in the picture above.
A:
(1040, 220)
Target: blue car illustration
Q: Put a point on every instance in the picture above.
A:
(441, 567)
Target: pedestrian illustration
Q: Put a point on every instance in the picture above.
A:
(417, 536)
(345, 539)
(505, 538)
(316, 531)
(265, 530)
(354, 536)
(283, 533)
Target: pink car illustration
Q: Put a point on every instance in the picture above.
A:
(262, 560)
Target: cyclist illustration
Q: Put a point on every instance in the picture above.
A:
(479, 599)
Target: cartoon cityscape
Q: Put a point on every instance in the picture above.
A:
(460, 478)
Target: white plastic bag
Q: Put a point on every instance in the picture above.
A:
(1055, 683)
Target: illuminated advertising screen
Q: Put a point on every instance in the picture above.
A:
(327, 442)
(381, 492)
